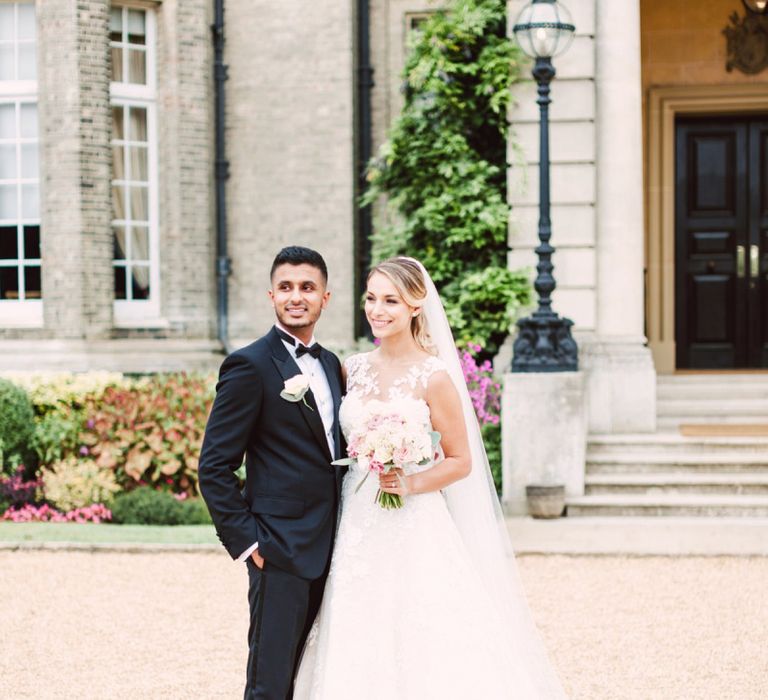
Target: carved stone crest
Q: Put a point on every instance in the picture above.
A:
(747, 39)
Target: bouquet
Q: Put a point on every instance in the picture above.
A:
(383, 440)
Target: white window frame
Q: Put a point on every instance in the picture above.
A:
(143, 313)
(21, 313)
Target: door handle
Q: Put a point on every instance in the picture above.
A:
(740, 261)
(754, 261)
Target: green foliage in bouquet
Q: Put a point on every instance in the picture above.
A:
(443, 168)
(147, 506)
(151, 433)
(77, 483)
(16, 426)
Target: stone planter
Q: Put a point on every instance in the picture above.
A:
(545, 501)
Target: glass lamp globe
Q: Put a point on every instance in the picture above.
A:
(544, 28)
(758, 6)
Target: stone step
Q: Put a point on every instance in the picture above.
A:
(714, 378)
(706, 505)
(717, 406)
(673, 443)
(678, 482)
(656, 463)
(712, 391)
(672, 423)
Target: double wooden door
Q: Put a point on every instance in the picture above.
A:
(721, 243)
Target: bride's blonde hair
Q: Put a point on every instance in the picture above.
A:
(406, 275)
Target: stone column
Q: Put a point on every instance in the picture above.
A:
(76, 239)
(621, 377)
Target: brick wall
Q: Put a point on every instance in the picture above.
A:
(290, 142)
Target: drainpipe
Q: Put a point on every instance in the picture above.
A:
(364, 150)
(223, 262)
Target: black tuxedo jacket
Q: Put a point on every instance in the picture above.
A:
(292, 489)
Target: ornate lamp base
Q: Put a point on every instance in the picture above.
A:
(544, 344)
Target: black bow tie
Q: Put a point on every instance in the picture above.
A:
(315, 349)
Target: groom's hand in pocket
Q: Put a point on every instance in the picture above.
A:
(257, 559)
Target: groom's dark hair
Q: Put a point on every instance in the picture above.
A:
(298, 255)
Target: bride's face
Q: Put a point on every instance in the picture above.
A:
(385, 309)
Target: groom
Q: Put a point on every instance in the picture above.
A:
(282, 524)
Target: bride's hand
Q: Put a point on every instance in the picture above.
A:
(395, 481)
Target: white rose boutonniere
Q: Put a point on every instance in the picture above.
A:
(295, 389)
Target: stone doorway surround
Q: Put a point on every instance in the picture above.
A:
(664, 105)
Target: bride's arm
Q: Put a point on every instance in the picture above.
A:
(448, 420)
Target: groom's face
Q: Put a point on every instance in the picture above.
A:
(298, 295)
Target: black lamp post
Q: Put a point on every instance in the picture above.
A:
(544, 343)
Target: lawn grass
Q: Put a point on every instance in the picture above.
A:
(90, 533)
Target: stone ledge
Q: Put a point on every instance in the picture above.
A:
(129, 355)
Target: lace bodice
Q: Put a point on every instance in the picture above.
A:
(397, 382)
(400, 389)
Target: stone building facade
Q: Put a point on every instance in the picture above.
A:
(108, 207)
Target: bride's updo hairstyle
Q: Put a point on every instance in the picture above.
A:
(405, 274)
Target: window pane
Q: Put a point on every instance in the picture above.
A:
(6, 22)
(120, 273)
(121, 253)
(137, 30)
(9, 283)
(116, 52)
(137, 67)
(140, 282)
(32, 282)
(8, 169)
(9, 249)
(116, 22)
(8, 205)
(118, 163)
(26, 21)
(139, 204)
(117, 123)
(30, 202)
(8, 121)
(29, 161)
(7, 67)
(28, 121)
(140, 243)
(139, 165)
(138, 124)
(31, 242)
(118, 202)
(27, 61)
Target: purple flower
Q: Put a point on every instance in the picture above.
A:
(84, 451)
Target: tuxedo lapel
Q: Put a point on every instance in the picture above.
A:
(288, 368)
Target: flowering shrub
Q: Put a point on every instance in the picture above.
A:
(77, 483)
(16, 425)
(151, 433)
(146, 506)
(485, 393)
(49, 392)
(15, 491)
(484, 389)
(95, 513)
(57, 434)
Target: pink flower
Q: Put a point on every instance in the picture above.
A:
(376, 466)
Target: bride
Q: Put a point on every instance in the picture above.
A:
(422, 601)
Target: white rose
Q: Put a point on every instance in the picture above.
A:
(295, 388)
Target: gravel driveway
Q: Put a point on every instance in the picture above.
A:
(108, 625)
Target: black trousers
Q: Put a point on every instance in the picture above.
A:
(283, 607)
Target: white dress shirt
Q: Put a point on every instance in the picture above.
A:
(321, 390)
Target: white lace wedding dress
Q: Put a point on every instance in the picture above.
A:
(405, 615)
